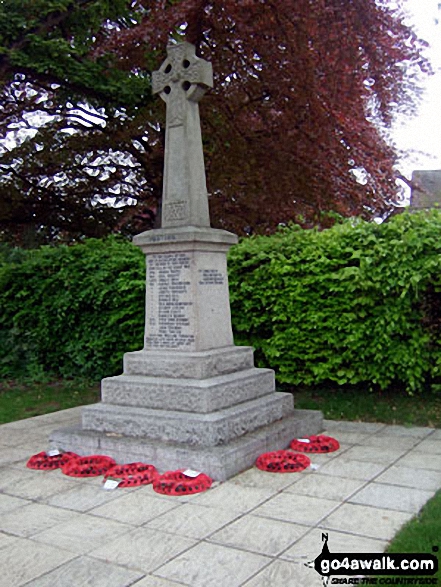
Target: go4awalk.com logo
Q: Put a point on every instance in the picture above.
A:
(361, 569)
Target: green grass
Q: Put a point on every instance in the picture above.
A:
(392, 407)
(422, 533)
(19, 400)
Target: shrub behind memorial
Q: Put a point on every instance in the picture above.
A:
(359, 303)
(70, 311)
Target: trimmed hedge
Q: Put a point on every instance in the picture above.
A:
(71, 311)
(355, 304)
(358, 303)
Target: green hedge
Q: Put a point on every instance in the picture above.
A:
(359, 303)
(71, 311)
(355, 304)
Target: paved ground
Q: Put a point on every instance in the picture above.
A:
(257, 529)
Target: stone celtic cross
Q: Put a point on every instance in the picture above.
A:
(181, 82)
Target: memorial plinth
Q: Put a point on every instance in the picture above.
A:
(190, 398)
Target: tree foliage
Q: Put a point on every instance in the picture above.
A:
(58, 181)
(295, 126)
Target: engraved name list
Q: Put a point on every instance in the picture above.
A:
(169, 302)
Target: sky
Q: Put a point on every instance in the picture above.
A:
(420, 137)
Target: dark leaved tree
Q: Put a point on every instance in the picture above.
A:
(295, 127)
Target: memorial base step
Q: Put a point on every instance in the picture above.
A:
(188, 395)
(189, 365)
(193, 428)
(219, 462)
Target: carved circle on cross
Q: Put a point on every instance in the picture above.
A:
(182, 75)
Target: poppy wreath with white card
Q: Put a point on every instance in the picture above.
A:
(132, 474)
(180, 483)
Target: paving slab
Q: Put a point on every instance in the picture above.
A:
(97, 482)
(374, 454)
(12, 477)
(11, 437)
(407, 477)
(27, 424)
(358, 427)
(413, 431)
(62, 416)
(7, 540)
(135, 509)
(87, 571)
(384, 442)
(420, 460)
(9, 503)
(362, 470)
(366, 521)
(240, 499)
(33, 518)
(259, 535)
(82, 533)
(38, 436)
(143, 549)
(429, 446)
(25, 560)
(81, 498)
(254, 477)
(193, 520)
(284, 573)
(27, 485)
(300, 509)
(391, 497)
(152, 581)
(326, 487)
(14, 454)
(318, 460)
(349, 438)
(211, 565)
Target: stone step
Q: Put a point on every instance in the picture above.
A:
(187, 427)
(188, 395)
(191, 365)
(219, 462)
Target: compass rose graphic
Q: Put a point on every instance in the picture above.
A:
(315, 564)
